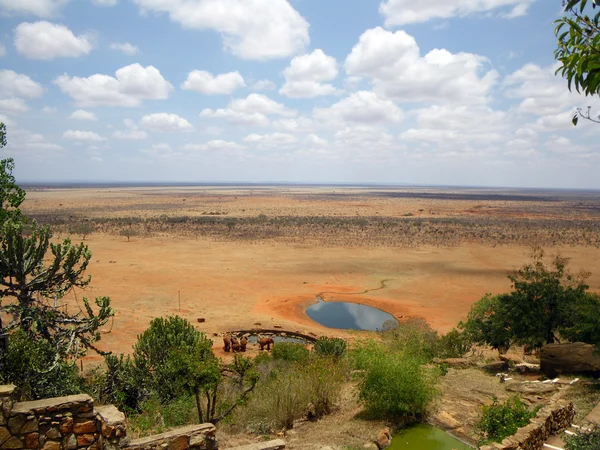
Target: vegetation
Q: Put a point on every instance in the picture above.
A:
(586, 440)
(545, 303)
(578, 50)
(291, 352)
(500, 420)
(334, 347)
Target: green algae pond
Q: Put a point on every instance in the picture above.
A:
(425, 437)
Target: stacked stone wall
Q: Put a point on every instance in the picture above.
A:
(73, 423)
(550, 420)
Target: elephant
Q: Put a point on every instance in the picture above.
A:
(235, 344)
(243, 343)
(266, 342)
(226, 343)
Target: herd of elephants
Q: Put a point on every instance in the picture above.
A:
(233, 344)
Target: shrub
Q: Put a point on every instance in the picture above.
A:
(588, 440)
(413, 336)
(454, 344)
(290, 351)
(157, 417)
(395, 386)
(500, 420)
(330, 347)
(37, 371)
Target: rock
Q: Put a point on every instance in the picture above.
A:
(16, 423)
(531, 388)
(84, 440)
(66, 425)
(197, 441)
(277, 326)
(30, 426)
(201, 320)
(456, 363)
(32, 440)
(14, 443)
(87, 426)
(179, 443)
(53, 433)
(496, 366)
(51, 445)
(370, 446)
(4, 434)
(574, 357)
(384, 439)
(70, 442)
(524, 368)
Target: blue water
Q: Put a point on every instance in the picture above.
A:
(350, 316)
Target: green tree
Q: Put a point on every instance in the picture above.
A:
(539, 308)
(578, 50)
(11, 195)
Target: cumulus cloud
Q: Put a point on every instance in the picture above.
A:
(46, 41)
(271, 139)
(165, 122)
(306, 74)
(252, 110)
(361, 107)
(78, 135)
(251, 29)
(401, 12)
(40, 8)
(206, 83)
(13, 105)
(81, 114)
(397, 69)
(125, 47)
(540, 91)
(19, 85)
(216, 144)
(132, 85)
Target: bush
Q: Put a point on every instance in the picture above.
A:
(36, 370)
(395, 385)
(335, 347)
(500, 420)
(157, 417)
(291, 352)
(454, 344)
(589, 440)
(413, 336)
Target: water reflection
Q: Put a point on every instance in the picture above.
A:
(345, 315)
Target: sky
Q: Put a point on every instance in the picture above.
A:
(434, 92)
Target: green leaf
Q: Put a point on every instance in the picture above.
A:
(575, 119)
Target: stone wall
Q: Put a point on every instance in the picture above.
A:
(73, 423)
(551, 419)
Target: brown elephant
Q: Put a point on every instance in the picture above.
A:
(243, 343)
(235, 344)
(226, 343)
(266, 342)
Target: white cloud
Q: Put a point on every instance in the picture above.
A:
(296, 125)
(40, 8)
(263, 85)
(78, 135)
(251, 29)
(542, 92)
(361, 107)
(105, 2)
(206, 83)
(313, 139)
(2, 51)
(132, 85)
(165, 122)
(270, 140)
(130, 135)
(13, 105)
(398, 71)
(215, 144)
(401, 12)
(45, 41)
(16, 84)
(306, 74)
(125, 47)
(81, 114)
(49, 110)
(252, 110)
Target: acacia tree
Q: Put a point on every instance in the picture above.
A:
(578, 51)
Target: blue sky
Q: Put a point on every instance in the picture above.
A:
(458, 92)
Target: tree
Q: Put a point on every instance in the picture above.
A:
(11, 195)
(578, 51)
(83, 229)
(537, 311)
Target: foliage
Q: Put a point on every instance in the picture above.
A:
(584, 323)
(32, 367)
(83, 229)
(290, 351)
(500, 420)
(413, 336)
(578, 50)
(157, 417)
(454, 344)
(586, 440)
(539, 308)
(34, 290)
(11, 195)
(335, 347)
(128, 232)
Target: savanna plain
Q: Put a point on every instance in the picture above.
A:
(241, 257)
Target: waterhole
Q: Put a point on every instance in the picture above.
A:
(349, 316)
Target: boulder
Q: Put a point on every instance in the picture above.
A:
(524, 368)
(496, 366)
(457, 363)
(575, 357)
